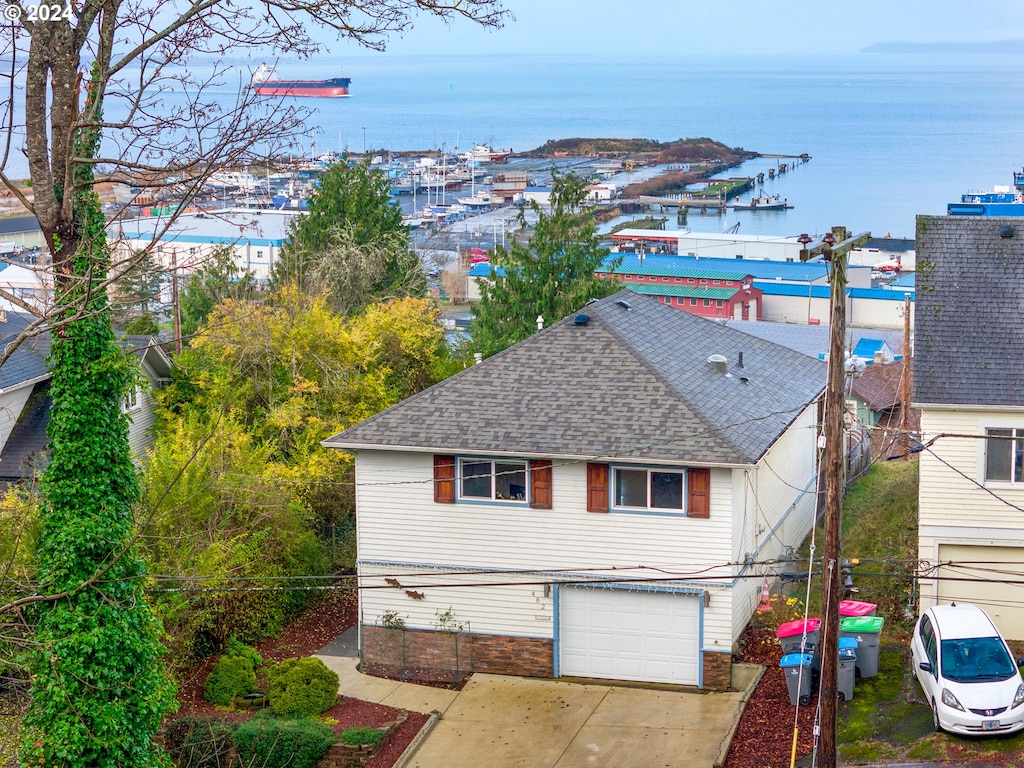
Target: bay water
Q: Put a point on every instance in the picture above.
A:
(890, 136)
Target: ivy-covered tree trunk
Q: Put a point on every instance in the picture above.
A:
(99, 690)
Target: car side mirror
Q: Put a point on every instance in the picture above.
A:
(926, 666)
(1020, 662)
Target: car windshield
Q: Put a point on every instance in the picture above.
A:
(976, 660)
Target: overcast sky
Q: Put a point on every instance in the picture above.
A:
(718, 27)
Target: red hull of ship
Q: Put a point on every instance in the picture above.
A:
(292, 90)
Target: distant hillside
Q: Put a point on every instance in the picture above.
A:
(1014, 47)
(678, 151)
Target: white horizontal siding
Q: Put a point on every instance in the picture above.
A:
(399, 524)
(488, 603)
(959, 496)
(11, 405)
(956, 507)
(775, 509)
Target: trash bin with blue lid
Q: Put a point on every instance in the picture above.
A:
(848, 643)
(856, 608)
(846, 677)
(797, 669)
(866, 629)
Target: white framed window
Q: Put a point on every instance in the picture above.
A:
(493, 480)
(642, 488)
(130, 402)
(1004, 455)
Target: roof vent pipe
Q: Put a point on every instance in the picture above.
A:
(540, 322)
(739, 363)
(718, 363)
(478, 357)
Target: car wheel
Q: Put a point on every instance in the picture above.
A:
(935, 717)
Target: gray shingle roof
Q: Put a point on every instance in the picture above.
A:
(969, 343)
(28, 362)
(632, 383)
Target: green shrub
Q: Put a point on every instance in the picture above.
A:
(270, 742)
(236, 647)
(363, 735)
(199, 742)
(231, 676)
(303, 687)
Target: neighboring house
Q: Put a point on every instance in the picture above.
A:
(597, 501)
(714, 293)
(969, 386)
(25, 399)
(877, 396)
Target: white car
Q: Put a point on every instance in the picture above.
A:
(967, 672)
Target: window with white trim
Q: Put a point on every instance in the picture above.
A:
(1004, 455)
(641, 488)
(493, 480)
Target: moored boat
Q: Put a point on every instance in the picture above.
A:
(1002, 201)
(762, 202)
(265, 85)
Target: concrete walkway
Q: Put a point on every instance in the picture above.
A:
(503, 721)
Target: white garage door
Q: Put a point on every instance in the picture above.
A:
(993, 565)
(616, 634)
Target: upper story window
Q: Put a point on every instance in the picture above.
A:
(492, 480)
(653, 490)
(130, 401)
(1004, 455)
(648, 489)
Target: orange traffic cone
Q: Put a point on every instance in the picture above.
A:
(766, 598)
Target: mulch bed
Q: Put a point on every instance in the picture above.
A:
(320, 623)
(764, 736)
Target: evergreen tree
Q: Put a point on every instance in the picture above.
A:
(551, 276)
(352, 245)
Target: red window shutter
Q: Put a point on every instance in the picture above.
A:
(540, 483)
(597, 487)
(698, 484)
(444, 479)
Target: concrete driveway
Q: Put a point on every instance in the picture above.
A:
(503, 721)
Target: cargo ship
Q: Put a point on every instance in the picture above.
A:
(265, 85)
(1002, 201)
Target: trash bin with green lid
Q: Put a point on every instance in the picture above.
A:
(797, 669)
(867, 630)
(847, 674)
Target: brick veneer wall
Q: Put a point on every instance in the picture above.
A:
(717, 671)
(436, 655)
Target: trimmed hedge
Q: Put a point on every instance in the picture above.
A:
(271, 742)
(356, 736)
(302, 687)
(231, 676)
(236, 647)
(199, 742)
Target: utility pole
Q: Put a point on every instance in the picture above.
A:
(905, 393)
(175, 301)
(834, 461)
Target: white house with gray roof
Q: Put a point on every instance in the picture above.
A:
(603, 500)
(969, 386)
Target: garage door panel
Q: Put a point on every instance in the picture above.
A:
(622, 635)
(1000, 600)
